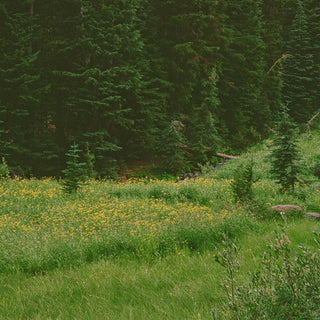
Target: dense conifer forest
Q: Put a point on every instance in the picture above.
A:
(170, 82)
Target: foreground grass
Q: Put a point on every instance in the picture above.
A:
(178, 286)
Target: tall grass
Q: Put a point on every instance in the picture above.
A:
(160, 238)
(41, 228)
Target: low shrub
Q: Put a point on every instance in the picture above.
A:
(242, 183)
(286, 287)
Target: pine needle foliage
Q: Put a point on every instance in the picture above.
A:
(285, 153)
(74, 174)
(298, 70)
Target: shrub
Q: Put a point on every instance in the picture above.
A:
(4, 169)
(242, 183)
(288, 287)
(316, 169)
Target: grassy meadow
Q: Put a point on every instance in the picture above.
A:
(144, 249)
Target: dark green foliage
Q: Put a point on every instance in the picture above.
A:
(74, 174)
(114, 75)
(4, 169)
(89, 159)
(187, 40)
(244, 109)
(298, 85)
(242, 183)
(274, 43)
(173, 148)
(285, 153)
(313, 17)
(21, 118)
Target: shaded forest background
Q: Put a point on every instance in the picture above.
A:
(170, 81)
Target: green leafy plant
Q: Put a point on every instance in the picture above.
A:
(242, 183)
(74, 174)
(228, 257)
(286, 287)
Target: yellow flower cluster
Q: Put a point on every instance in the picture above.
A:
(40, 208)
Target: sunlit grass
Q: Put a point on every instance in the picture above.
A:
(41, 228)
(140, 249)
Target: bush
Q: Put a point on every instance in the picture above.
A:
(288, 287)
(242, 183)
(4, 169)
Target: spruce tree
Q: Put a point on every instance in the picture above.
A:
(297, 74)
(313, 14)
(285, 153)
(243, 107)
(173, 148)
(74, 174)
(188, 39)
(100, 90)
(242, 184)
(20, 89)
(274, 45)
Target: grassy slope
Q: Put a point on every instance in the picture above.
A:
(180, 285)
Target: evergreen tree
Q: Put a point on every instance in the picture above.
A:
(74, 174)
(113, 75)
(243, 108)
(173, 148)
(274, 46)
(96, 71)
(313, 11)
(298, 87)
(285, 153)
(187, 37)
(20, 89)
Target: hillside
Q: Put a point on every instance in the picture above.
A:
(147, 249)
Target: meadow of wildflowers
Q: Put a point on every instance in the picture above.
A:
(41, 228)
(160, 238)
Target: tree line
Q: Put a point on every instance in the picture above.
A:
(171, 81)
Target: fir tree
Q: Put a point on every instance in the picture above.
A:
(187, 37)
(313, 11)
(243, 108)
(274, 44)
(242, 184)
(173, 148)
(74, 174)
(285, 153)
(20, 89)
(298, 87)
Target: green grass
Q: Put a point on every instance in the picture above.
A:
(143, 249)
(185, 285)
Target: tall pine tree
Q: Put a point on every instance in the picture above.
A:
(298, 87)
(243, 107)
(21, 118)
(188, 35)
(313, 11)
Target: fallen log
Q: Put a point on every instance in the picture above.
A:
(225, 156)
